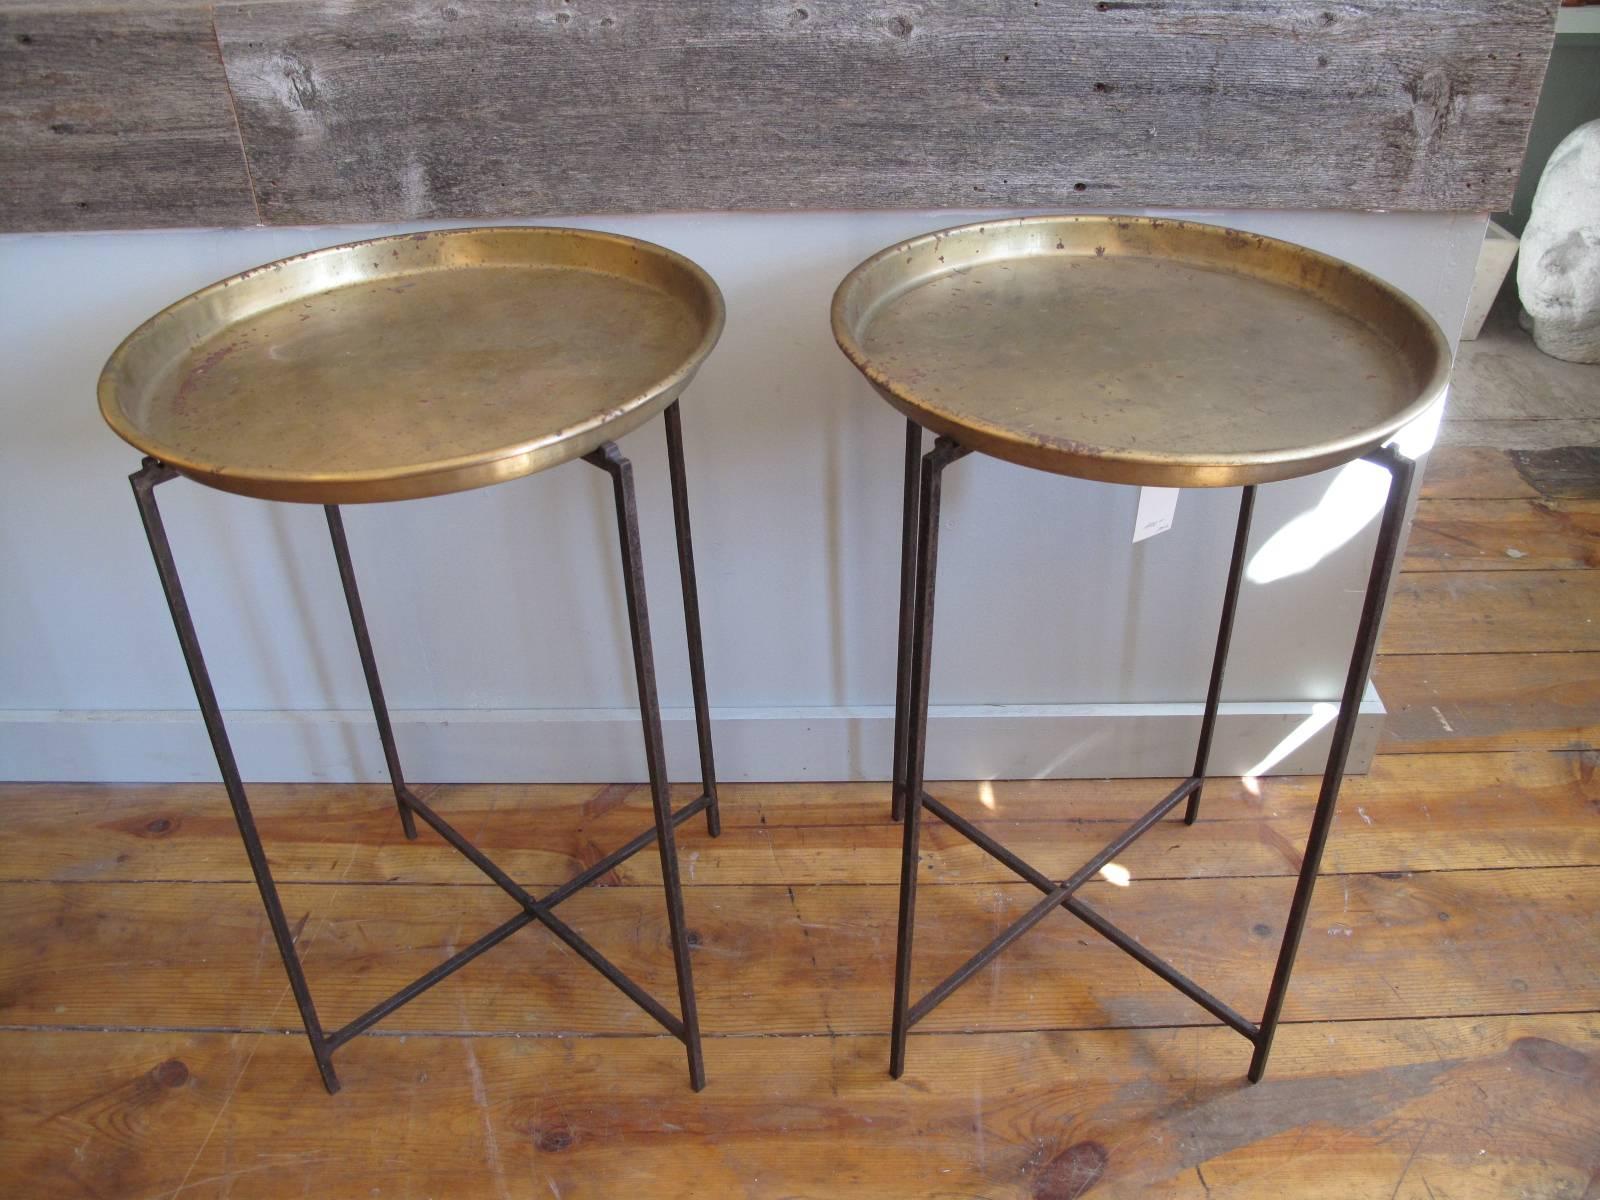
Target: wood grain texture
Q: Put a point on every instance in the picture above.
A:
(121, 116)
(1504, 535)
(1411, 812)
(1493, 612)
(116, 117)
(1569, 472)
(1473, 473)
(1517, 433)
(1471, 1109)
(421, 110)
(782, 959)
(1448, 703)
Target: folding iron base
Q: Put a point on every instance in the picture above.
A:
(684, 1027)
(918, 567)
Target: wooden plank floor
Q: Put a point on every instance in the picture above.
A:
(1442, 1036)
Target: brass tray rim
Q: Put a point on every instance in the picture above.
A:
(435, 477)
(1119, 466)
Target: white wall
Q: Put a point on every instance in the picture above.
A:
(497, 614)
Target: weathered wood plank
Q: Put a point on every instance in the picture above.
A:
(1426, 812)
(1507, 535)
(116, 117)
(1473, 473)
(1448, 703)
(402, 110)
(1517, 433)
(784, 959)
(413, 110)
(1571, 472)
(1474, 1109)
(1493, 612)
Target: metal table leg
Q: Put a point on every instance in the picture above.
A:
(908, 586)
(535, 910)
(911, 713)
(691, 615)
(369, 667)
(1400, 471)
(621, 471)
(944, 453)
(145, 481)
(1219, 661)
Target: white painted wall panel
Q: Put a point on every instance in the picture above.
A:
(508, 600)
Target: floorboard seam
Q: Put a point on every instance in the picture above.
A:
(568, 1035)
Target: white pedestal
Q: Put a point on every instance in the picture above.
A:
(1494, 260)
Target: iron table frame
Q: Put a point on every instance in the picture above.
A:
(919, 549)
(685, 1026)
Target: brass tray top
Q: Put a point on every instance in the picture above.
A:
(1140, 350)
(413, 365)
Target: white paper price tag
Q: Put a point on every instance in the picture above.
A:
(1156, 508)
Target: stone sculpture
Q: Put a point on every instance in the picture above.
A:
(1558, 272)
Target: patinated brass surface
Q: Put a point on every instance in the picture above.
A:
(413, 365)
(1139, 350)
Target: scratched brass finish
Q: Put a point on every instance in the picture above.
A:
(1139, 350)
(413, 365)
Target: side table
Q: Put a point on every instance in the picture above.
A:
(413, 366)
(1134, 351)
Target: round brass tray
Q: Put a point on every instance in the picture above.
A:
(413, 365)
(1140, 350)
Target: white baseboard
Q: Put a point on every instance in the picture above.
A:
(603, 745)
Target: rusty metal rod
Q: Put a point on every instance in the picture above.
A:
(908, 586)
(1219, 661)
(944, 453)
(1384, 557)
(1055, 899)
(144, 482)
(691, 616)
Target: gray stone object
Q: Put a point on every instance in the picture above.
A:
(1558, 272)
